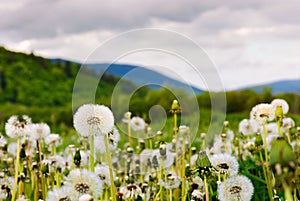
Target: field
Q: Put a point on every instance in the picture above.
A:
(258, 160)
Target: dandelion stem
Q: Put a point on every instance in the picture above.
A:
(183, 173)
(206, 189)
(16, 170)
(92, 154)
(267, 170)
(171, 194)
(112, 186)
(129, 134)
(175, 137)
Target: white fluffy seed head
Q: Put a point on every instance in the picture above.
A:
(225, 164)
(248, 126)
(280, 103)
(17, 128)
(137, 123)
(236, 188)
(262, 113)
(93, 120)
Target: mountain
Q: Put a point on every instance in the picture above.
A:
(142, 76)
(283, 86)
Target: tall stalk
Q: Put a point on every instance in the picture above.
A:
(109, 160)
(17, 161)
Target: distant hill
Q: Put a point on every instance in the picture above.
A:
(141, 75)
(283, 86)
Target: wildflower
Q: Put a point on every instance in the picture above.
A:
(64, 193)
(225, 164)
(236, 188)
(248, 127)
(137, 123)
(280, 103)
(197, 195)
(197, 183)
(15, 128)
(52, 139)
(183, 129)
(126, 118)
(113, 139)
(39, 131)
(103, 173)
(3, 141)
(84, 181)
(93, 120)
(221, 146)
(172, 181)
(287, 124)
(6, 186)
(262, 113)
(131, 191)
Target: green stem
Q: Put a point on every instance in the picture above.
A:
(171, 195)
(112, 186)
(279, 128)
(183, 173)
(268, 173)
(129, 134)
(176, 145)
(92, 154)
(16, 170)
(206, 189)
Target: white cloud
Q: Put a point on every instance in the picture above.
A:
(251, 42)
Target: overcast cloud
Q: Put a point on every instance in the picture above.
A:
(251, 42)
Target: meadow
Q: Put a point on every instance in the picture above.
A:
(255, 157)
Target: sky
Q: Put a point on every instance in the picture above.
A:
(250, 42)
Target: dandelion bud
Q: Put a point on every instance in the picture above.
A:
(129, 150)
(155, 162)
(175, 105)
(258, 140)
(226, 123)
(203, 136)
(127, 115)
(203, 160)
(159, 133)
(194, 149)
(162, 149)
(137, 169)
(9, 160)
(77, 158)
(279, 113)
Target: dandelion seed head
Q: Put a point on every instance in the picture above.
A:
(236, 188)
(225, 164)
(93, 120)
(280, 103)
(39, 131)
(248, 126)
(137, 123)
(262, 113)
(17, 128)
(84, 182)
(287, 124)
(131, 191)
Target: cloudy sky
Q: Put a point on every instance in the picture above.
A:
(250, 42)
